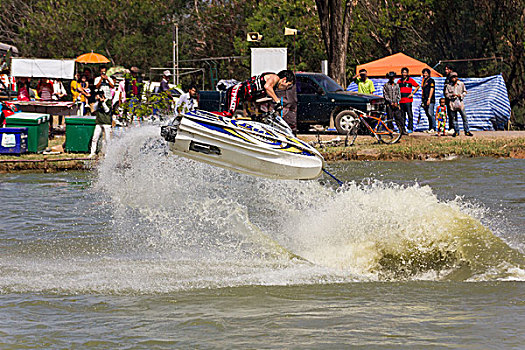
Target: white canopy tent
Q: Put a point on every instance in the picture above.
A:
(42, 68)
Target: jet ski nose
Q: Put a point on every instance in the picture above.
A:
(168, 132)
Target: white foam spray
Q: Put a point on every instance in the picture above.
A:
(178, 224)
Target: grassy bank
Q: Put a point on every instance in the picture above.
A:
(428, 147)
(414, 147)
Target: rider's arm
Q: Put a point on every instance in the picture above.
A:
(271, 81)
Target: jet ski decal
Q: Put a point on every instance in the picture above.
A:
(256, 134)
(255, 139)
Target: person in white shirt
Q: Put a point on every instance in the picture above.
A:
(59, 92)
(104, 83)
(188, 101)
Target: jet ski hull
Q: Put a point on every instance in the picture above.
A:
(244, 146)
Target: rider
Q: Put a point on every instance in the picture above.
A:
(257, 87)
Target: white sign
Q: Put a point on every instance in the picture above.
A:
(269, 59)
(42, 68)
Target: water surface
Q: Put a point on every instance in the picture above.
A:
(154, 251)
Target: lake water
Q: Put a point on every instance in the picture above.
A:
(152, 251)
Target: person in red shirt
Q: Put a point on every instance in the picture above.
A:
(45, 89)
(23, 89)
(406, 85)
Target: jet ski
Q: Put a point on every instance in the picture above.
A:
(266, 147)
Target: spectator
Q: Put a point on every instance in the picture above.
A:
(456, 92)
(75, 93)
(23, 89)
(134, 84)
(103, 121)
(120, 93)
(364, 85)
(165, 91)
(85, 94)
(164, 84)
(45, 89)
(119, 98)
(188, 101)
(405, 85)
(104, 83)
(392, 96)
(133, 88)
(59, 92)
(441, 117)
(75, 84)
(428, 98)
(87, 73)
(90, 100)
(448, 71)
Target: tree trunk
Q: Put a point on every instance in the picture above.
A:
(334, 17)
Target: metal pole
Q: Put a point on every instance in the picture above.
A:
(294, 53)
(177, 54)
(174, 53)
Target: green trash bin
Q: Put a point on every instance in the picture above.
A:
(37, 125)
(79, 131)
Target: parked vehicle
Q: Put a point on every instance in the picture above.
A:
(319, 99)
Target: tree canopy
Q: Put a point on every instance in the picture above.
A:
(140, 32)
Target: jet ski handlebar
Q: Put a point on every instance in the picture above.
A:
(275, 120)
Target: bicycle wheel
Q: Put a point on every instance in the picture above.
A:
(387, 132)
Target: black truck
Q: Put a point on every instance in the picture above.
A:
(319, 99)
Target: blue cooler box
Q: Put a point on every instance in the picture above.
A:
(13, 140)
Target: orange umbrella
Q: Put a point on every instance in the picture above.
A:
(92, 58)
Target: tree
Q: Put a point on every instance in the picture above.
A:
(435, 30)
(211, 29)
(334, 17)
(271, 17)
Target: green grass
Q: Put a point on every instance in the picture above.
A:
(420, 148)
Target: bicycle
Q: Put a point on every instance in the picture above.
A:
(384, 130)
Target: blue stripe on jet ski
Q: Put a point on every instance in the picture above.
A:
(213, 127)
(217, 128)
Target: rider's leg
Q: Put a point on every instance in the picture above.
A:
(234, 94)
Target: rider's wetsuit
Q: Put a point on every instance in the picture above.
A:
(249, 90)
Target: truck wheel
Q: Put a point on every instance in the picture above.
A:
(345, 121)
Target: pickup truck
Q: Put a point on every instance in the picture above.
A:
(319, 98)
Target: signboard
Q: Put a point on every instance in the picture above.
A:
(269, 60)
(42, 68)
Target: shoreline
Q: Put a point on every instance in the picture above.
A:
(416, 147)
(422, 146)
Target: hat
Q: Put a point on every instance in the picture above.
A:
(391, 74)
(453, 74)
(134, 69)
(167, 73)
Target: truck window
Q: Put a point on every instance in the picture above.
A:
(327, 83)
(306, 87)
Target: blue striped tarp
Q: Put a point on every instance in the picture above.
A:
(487, 102)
